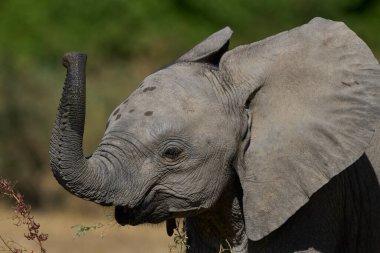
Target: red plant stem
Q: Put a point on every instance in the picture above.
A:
(23, 216)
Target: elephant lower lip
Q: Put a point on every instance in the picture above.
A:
(123, 215)
(129, 216)
(136, 215)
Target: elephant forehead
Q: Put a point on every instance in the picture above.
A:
(144, 112)
(151, 102)
(194, 80)
(168, 100)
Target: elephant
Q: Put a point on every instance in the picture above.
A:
(268, 147)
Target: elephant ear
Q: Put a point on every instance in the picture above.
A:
(313, 96)
(210, 50)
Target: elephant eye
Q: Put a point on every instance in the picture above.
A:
(172, 153)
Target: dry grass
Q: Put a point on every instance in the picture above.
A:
(109, 238)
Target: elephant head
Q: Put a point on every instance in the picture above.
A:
(283, 116)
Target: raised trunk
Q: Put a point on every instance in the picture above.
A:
(86, 178)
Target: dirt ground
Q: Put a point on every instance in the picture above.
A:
(109, 238)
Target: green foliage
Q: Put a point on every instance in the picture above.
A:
(83, 230)
(125, 40)
(44, 29)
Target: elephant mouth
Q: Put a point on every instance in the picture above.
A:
(128, 216)
(135, 216)
(122, 215)
(151, 211)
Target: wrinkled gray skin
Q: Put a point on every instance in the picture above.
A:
(261, 147)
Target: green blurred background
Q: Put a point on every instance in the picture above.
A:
(125, 41)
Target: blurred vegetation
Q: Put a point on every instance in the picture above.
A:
(125, 41)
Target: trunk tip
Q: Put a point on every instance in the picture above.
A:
(72, 58)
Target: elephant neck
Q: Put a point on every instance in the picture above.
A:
(220, 227)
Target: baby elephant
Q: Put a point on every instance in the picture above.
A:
(262, 148)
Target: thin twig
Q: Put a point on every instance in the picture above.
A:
(6, 244)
